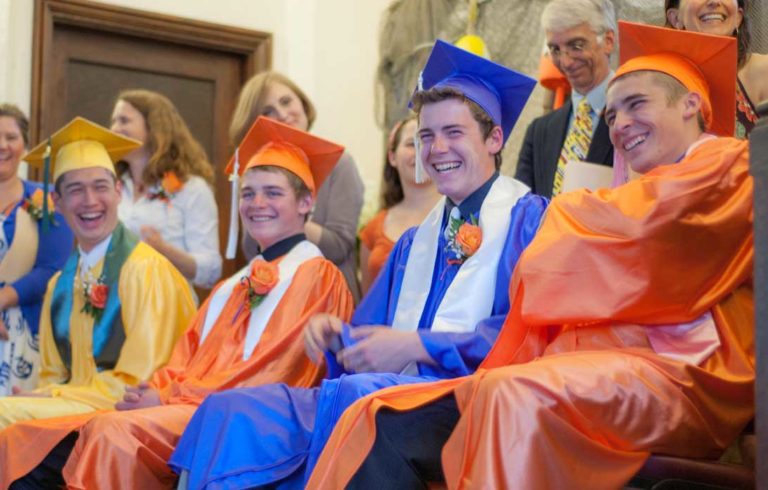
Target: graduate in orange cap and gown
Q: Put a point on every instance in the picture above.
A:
(247, 333)
(626, 334)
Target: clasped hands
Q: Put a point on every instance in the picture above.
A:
(377, 348)
(139, 396)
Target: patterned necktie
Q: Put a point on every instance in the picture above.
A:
(576, 143)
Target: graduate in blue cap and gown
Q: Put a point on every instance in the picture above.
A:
(435, 309)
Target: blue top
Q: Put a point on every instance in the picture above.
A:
(53, 249)
(456, 354)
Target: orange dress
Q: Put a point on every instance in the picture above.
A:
(578, 396)
(129, 449)
(373, 237)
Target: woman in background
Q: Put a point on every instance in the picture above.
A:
(728, 18)
(404, 203)
(29, 257)
(167, 196)
(333, 223)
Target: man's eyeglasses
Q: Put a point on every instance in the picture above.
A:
(574, 48)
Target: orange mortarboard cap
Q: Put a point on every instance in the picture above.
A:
(269, 142)
(703, 63)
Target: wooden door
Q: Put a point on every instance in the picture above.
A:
(85, 53)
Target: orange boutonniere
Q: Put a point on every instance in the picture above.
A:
(464, 238)
(169, 187)
(34, 205)
(469, 238)
(96, 294)
(264, 277)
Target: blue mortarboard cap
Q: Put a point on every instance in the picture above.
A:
(500, 91)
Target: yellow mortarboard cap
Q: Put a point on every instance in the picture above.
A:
(703, 63)
(81, 144)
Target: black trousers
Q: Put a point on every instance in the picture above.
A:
(406, 453)
(48, 473)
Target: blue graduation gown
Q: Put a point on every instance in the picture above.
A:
(274, 433)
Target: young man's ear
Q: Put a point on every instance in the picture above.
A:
(119, 188)
(55, 197)
(691, 105)
(495, 141)
(305, 204)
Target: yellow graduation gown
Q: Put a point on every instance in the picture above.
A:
(156, 306)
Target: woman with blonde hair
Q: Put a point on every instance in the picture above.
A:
(404, 202)
(167, 195)
(29, 256)
(333, 222)
(728, 18)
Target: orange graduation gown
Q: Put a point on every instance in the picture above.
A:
(129, 449)
(578, 396)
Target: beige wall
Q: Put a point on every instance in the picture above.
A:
(329, 47)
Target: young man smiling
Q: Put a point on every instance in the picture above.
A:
(622, 338)
(432, 313)
(248, 332)
(111, 316)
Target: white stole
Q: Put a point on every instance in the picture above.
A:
(261, 314)
(469, 298)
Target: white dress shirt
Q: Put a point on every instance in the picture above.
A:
(189, 221)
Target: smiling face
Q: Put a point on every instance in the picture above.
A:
(456, 156)
(282, 104)
(88, 199)
(581, 55)
(269, 207)
(11, 147)
(720, 17)
(646, 127)
(403, 158)
(128, 121)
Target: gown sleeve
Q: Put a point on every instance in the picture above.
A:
(157, 306)
(52, 369)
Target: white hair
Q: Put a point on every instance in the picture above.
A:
(560, 15)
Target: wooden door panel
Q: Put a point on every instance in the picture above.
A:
(85, 53)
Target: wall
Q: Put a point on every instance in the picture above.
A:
(329, 47)
(16, 49)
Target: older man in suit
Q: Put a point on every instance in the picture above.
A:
(580, 35)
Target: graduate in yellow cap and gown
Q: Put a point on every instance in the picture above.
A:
(625, 336)
(248, 332)
(112, 315)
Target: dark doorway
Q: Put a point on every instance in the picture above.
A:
(85, 53)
